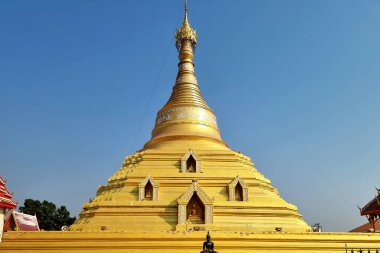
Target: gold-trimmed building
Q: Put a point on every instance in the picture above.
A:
(184, 181)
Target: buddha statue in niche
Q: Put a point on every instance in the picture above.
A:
(149, 191)
(191, 164)
(195, 213)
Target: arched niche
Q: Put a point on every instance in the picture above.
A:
(148, 189)
(238, 190)
(190, 163)
(195, 197)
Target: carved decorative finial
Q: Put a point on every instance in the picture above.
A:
(185, 32)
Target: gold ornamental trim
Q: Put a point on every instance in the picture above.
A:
(186, 113)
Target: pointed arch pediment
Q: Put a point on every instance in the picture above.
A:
(195, 187)
(184, 159)
(232, 186)
(237, 180)
(148, 179)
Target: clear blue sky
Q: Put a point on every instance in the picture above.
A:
(295, 85)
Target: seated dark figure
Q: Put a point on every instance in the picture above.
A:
(208, 245)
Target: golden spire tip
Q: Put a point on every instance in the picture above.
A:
(186, 9)
(186, 32)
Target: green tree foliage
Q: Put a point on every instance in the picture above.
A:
(49, 216)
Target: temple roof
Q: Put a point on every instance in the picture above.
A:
(21, 222)
(5, 196)
(373, 207)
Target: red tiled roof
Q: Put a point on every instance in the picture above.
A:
(5, 196)
(365, 227)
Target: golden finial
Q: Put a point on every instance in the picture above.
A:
(186, 32)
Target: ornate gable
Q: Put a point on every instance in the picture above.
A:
(5, 196)
(195, 187)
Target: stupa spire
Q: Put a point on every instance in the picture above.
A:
(186, 10)
(186, 114)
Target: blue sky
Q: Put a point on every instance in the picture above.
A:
(294, 85)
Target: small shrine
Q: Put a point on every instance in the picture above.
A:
(372, 211)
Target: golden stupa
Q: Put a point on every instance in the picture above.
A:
(187, 168)
(184, 182)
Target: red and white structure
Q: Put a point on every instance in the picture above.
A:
(6, 203)
(21, 222)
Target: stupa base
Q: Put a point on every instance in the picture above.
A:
(184, 242)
